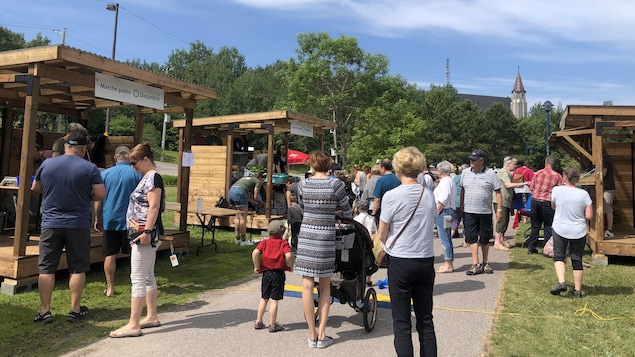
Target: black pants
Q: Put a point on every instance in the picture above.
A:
(541, 214)
(412, 279)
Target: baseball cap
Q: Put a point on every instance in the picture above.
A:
(122, 151)
(77, 138)
(477, 154)
(276, 228)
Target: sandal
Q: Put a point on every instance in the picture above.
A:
(445, 269)
(507, 244)
(124, 332)
(276, 327)
(45, 317)
(501, 247)
(75, 316)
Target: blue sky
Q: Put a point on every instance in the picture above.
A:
(568, 51)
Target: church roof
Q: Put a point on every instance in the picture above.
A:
(518, 86)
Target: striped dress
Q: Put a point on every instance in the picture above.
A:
(321, 197)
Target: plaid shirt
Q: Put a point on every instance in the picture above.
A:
(543, 182)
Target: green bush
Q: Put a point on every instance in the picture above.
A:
(169, 180)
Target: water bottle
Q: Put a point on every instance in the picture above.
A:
(199, 204)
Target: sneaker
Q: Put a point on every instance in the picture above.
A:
(475, 270)
(276, 327)
(246, 243)
(487, 269)
(608, 234)
(577, 293)
(312, 343)
(556, 290)
(259, 325)
(324, 343)
(237, 241)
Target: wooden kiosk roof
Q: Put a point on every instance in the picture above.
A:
(61, 80)
(259, 123)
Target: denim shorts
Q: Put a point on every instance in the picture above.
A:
(237, 197)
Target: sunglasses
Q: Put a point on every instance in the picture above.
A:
(133, 163)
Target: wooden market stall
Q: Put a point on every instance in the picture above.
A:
(219, 163)
(587, 132)
(67, 81)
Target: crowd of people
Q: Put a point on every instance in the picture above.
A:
(399, 201)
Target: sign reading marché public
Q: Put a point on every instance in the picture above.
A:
(122, 90)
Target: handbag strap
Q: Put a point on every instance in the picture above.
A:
(423, 189)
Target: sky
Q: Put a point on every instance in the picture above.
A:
(571, 52)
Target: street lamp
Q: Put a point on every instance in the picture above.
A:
(115, 8)
(547, 106)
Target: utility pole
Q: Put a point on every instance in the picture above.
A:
(166, 120)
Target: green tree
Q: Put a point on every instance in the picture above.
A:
(336, 80)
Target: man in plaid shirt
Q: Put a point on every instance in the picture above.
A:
(541, 212)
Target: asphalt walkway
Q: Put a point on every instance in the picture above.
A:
(220, 322)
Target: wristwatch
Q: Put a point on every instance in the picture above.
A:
(148, 231)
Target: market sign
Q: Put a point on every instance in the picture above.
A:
(126, 91)
(301, 129)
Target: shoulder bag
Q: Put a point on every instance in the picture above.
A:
(381, 255)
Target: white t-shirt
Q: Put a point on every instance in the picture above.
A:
(367, 221)
(445, 193)
(569, 221)
(396, 207)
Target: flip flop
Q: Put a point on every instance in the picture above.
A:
(124, 332)
(150, 324)
(507, 244)
(501, 247)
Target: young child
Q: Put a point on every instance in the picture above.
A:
(272, 257)
(368, 221)
(294, 218)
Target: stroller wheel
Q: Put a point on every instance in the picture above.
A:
(369, 310)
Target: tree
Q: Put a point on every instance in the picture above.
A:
(336, 80)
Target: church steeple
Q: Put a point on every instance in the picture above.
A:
(518, 103)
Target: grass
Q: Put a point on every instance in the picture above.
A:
(532, 322)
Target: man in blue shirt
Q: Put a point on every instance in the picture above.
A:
(385, 183)
(68, 184)
(110, 214)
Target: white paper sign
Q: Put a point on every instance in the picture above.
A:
(301, 129)
(122, 90)
(188, 159)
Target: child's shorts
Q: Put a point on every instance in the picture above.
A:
(273, 284)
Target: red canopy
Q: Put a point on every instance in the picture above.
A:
(297, 157)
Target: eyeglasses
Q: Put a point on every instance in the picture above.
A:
(132, 163)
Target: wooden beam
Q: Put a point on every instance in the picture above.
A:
(599, 184)
(184, 189)
(578, 147)
(138, 128)
(26, 163)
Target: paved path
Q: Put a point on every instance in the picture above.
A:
(220, 322)
(167, 169)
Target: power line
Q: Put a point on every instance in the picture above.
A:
(155, 26)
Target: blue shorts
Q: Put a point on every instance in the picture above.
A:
(237, 197)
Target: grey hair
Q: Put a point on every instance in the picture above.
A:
(445, 167)
(509, 160)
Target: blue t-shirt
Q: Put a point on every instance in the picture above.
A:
(67, 190)
(385, 184)
(120, 180)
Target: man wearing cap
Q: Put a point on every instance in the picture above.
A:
(478, 184)
(58, 146)
(385, 183)
(110, 213)
(68, 184)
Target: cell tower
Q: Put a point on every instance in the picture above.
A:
(447, 72)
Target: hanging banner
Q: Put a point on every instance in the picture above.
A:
(301, 129)
(122, 90)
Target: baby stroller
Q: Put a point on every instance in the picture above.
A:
(354, 261)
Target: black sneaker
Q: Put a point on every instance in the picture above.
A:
(560, 288)
(475, 270)
(577, 293)
(532, 251)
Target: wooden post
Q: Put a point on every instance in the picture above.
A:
(599, 180)
(230, 158)
(26, 161)
(269, 169)
(138, 127)
(7, 128)
(184, 172)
